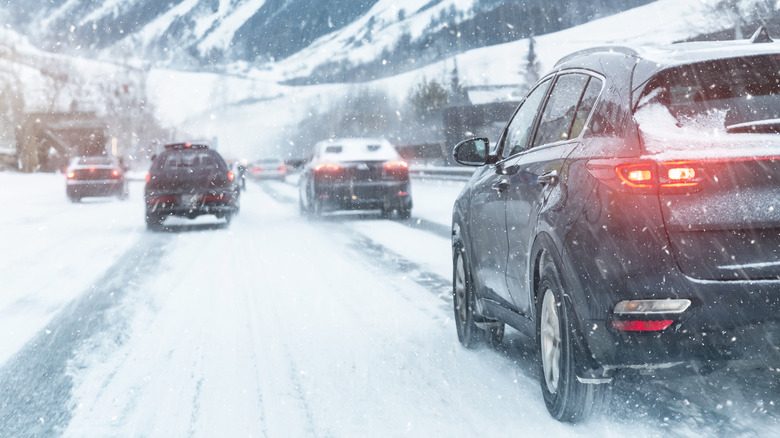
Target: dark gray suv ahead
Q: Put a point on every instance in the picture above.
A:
(628, 218)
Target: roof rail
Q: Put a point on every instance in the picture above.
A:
(628, 51)
(761, 36)
(187, 145)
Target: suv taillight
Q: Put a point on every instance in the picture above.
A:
(644, 176)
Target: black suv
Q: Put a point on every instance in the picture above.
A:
(189, 180)
(628, 218)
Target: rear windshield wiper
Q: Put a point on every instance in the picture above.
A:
(769, 126)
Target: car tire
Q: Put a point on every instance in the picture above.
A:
(470, 334)
(316, 208)
(302, 209)
(154, 221)
(567, 399)
(404, 213)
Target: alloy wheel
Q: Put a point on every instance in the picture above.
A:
(550, 341)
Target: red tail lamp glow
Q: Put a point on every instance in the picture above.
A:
(148, 177)
(115, 173)
(71, 175)
(636, 175)
(642, 326)
(327, 167)
(645, 176)
(397, 165)
(231, 176)
(215, 198)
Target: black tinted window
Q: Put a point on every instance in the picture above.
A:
(190, 160)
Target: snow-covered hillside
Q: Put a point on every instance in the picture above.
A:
(240, 127)
(213, 33)
(253, 111)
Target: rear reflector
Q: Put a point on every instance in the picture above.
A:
(651, 307)
(641, 326)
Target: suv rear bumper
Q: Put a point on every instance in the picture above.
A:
(176, 205)
(95, 188)
(728, 321)
(364, 195)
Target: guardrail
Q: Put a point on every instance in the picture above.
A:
(452, 173)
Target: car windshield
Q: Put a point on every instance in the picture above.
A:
(319, 284)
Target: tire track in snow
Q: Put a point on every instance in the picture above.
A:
(35, 384)
(675, 406)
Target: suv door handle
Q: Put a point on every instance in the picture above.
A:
(550, 178)
(501, 185)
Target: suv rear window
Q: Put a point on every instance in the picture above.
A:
(713, 98)
(190, 160)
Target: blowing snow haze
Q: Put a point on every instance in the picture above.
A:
(247, 218)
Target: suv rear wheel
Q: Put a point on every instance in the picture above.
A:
(567, 398)
(154, 221)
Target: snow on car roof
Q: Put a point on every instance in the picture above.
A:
(356, 149)
(693, 52)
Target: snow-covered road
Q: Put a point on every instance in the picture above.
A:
(279, 326)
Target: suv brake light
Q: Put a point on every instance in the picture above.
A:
(646, 176)
(396, 165)
(327, 167)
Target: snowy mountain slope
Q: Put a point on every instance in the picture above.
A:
(212, 33)
(257, 128)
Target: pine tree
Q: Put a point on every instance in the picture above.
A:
(532, 67)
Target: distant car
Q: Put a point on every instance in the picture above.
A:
(268, 168)
(355, 174)
(628, 218)
(189, 180)
(99, 175)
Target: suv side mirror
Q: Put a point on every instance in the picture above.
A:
(472, 152)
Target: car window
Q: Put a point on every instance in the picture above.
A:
(558, 116)
(190, 160)
(709, 100)
(516, 138)
(586, 104)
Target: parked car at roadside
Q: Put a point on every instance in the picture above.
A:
(95, 176)
(628, 218)
(355, 174)
(189, 180)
